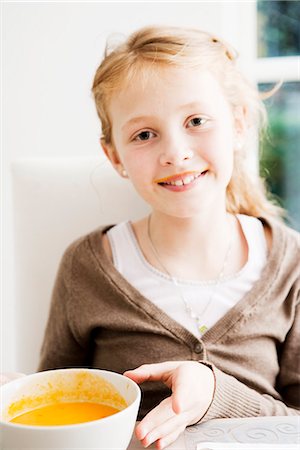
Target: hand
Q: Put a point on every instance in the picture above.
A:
(7, 377)
(192, 385)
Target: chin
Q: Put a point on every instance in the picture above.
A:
(190, 211)
(186, 213)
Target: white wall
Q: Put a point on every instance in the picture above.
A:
(50, 54)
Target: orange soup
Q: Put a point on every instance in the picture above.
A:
(65, 414)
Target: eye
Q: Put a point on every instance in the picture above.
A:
(197, 122)
(144, 136)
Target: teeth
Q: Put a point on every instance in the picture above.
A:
(188, 179)
(178, 183)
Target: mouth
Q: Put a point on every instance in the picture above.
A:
(183, 179)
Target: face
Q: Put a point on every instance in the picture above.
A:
(174, 134)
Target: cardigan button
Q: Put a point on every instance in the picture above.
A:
(198, 348)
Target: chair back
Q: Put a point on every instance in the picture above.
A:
(56, 201)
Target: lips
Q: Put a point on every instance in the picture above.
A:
(182, 179)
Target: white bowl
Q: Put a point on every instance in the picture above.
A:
(113, 432)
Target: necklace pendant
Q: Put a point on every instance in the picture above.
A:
(202, 328)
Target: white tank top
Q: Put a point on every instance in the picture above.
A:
(160, 289)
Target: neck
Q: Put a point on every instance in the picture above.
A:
(198, 244)
(182, 234)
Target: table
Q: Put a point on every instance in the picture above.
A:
(274, 431)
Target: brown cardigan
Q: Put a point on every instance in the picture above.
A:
(97, 319)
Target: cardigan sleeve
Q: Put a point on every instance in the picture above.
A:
(233, 399)
(61, 348)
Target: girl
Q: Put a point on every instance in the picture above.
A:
(205, 289)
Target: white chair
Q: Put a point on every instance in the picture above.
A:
(56, 201)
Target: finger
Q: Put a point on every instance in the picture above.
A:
(154, 418)
(171, 427)
(153, 372)
(169, 439)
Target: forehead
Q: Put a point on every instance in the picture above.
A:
(166, 90)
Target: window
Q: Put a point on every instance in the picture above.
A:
(280, 159)
(278, 28)
(278, 36)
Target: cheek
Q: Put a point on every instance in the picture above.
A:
(135, 167)
(139, 172)
(220, 153)
(139, 163)
(142, 170)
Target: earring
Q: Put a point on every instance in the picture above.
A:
(124, 173)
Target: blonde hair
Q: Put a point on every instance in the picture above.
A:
(153, 47)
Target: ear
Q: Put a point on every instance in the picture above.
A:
(113, 156)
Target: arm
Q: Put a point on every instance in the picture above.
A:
(234, 399)
(61, 348)
(201, 392)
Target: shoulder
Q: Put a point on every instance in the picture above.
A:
(88, 247)
(282, 271)
(284, 252)
(280, 235)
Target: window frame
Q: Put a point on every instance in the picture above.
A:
(279, 68)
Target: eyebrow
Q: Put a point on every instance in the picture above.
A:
(136, 120)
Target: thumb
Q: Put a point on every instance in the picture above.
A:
(153, 372)
(180, 393)
(185, 387)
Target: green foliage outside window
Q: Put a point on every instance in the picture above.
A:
(278, 35)
(280, 151)
(278, 28)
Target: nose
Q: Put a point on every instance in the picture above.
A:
(174, 152)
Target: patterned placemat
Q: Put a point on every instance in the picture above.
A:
(277, 432)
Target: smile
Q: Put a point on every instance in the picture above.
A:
(183, 179)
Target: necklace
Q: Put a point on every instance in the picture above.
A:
(197, 318)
